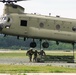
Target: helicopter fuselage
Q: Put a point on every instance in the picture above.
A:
(17, 23)
(41, 27)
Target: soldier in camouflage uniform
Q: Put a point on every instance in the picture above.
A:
(35, 55)
(30, 53)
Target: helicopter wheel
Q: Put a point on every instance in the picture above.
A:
(33, 44)
(45, 44)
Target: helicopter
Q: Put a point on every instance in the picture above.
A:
(17, 23)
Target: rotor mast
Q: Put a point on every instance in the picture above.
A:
(10, 7)
(13, 8)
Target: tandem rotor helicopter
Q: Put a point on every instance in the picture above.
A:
(17, 23)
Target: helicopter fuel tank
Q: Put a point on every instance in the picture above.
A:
(13, 8)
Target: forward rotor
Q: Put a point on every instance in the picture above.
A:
(11, 1)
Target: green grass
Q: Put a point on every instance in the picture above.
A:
(23, 55)
(12, 54)
(34, 69)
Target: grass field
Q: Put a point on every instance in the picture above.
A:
(29, 69)
(34, 69)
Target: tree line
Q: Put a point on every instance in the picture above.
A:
(11, 42)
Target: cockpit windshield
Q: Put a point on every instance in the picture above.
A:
(5, 21)
(5, 18)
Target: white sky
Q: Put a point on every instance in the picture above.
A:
(63, 8)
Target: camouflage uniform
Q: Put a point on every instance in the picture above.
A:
(42, 53)
(30, 53)
(35, 55)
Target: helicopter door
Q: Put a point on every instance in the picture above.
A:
(23, 26)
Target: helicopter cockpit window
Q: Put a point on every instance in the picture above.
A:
(0, 18)
(8, 19)
(23, 23)
(3, 18)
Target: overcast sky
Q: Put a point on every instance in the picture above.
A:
(63, 8)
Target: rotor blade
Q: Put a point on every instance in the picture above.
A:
(11, 0)
(22, 0)
(7, 0)
(2, 0)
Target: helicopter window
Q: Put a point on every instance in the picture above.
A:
(74, 28)
(41, 25)
(23, 23)
(57, 26)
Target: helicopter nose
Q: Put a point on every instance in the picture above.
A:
(1, 26)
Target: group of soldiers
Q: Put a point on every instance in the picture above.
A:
(33, 54)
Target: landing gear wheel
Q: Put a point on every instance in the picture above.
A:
(45, 44)
(33, 44)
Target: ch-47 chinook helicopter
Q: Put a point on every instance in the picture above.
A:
(17, 23)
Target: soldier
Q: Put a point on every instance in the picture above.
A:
(35, 55)
(30, 53)
(42, 53)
